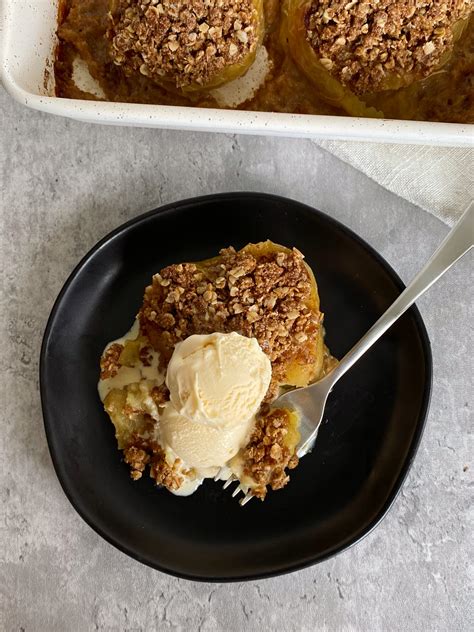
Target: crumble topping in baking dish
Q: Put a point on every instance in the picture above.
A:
(281, 68)
(362, 41)
(188, 42)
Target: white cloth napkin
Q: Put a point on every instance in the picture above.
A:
(438, 179)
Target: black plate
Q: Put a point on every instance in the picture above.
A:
(374, 418)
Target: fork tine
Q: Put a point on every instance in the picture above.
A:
(229, 481)
(243, 501)
(237, 490)
(217, 476)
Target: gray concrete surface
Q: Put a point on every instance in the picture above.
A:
(63, 186)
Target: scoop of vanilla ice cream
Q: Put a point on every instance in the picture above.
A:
(218, 379)
(199, 445)
(217, 383)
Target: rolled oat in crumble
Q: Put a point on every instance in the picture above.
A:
(164, 473)
(363, 42)
(137, 459)
(109, 362)
(183, 41)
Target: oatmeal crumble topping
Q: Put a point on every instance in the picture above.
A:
(160, 394)
(163, 473)
(187, 42)
(266, 456)
(142, 453)
(362, 42)
(266, 298)
(137, 459)
(109, 362)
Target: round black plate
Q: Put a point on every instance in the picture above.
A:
(366, 444)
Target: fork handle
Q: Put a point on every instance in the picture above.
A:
(458, 241)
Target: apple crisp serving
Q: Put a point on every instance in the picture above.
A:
(190, 388)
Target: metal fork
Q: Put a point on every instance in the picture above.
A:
(310, 401)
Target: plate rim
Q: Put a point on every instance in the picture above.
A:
(413, 447)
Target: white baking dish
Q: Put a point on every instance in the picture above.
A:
(27, 40)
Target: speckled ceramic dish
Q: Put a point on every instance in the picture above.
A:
(373, 424)
(27, 50)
